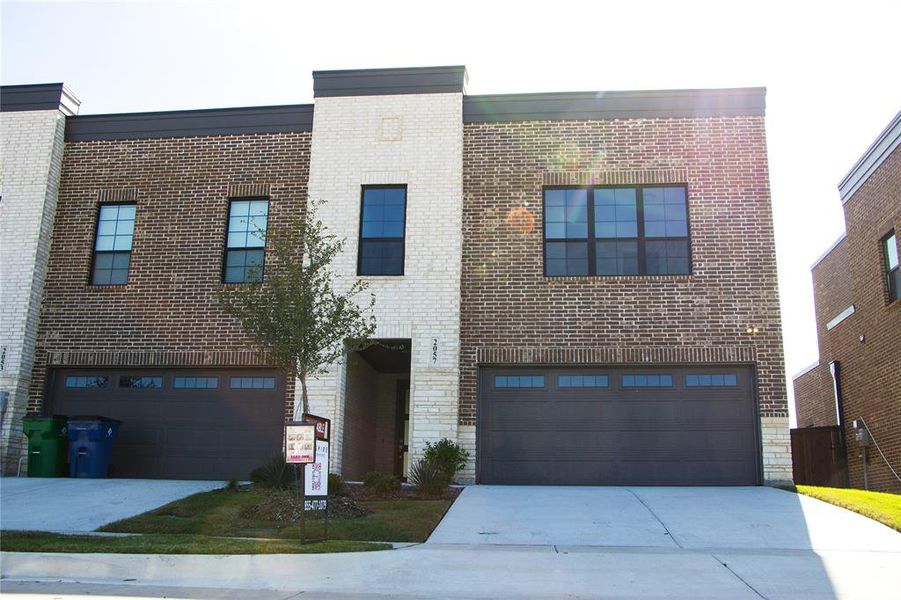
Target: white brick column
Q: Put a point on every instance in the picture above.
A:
(32, 146)
(416, 140)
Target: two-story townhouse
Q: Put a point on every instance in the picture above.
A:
(855, 384)
(578, 288)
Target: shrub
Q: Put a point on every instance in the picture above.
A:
(380, 484)
(448, 456)
(336, 485)
(428, 477)
(274, 474)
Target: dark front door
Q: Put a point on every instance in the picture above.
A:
(181, 424)
(618, 426)
(402, 428)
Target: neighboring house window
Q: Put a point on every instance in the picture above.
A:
(112, 246)
(245, 246)
(892, 272)
(616, 231)
(382, 222)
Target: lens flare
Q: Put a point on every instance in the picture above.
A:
(521, 219)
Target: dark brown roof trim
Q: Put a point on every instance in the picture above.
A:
(44, 96)
(190, 123)
(614, 105)
(384, 82)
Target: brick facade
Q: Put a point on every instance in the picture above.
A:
(167, 314)
(512, 314)
(473, 291)
(870, 370)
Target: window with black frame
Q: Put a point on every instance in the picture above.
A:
(626, 230)
(112, 244)
(245, 246)
(382, 223)
(892, 271)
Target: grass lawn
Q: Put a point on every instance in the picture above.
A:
(885, 508)
(33, 541)
(219, 513)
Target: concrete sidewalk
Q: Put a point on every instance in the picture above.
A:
(483, 571)
(73, 505)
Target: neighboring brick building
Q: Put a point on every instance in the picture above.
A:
(579, 288)
(858, 317)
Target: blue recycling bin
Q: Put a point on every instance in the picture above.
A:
(91, 445)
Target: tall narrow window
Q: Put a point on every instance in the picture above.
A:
(112, 246)
(382, 222)
(892, 272)
(245, 248)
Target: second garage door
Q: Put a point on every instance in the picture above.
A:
(181, 424)
(618, 426)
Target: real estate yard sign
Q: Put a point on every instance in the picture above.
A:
(300, 443)
(316, 479)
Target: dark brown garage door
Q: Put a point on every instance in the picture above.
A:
(622, 426)
(181, 424)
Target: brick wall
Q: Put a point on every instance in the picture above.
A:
(871, 371)
(512, 313)
(167, 314)
(32, 143)
(814, 397)
(360, 426)
(814, 394)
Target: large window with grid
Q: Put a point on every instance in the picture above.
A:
(382, 222)
(112, 244)
(245, 246)
(635, 230)
(892, 271)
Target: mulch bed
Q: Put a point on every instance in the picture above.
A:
(362, 494)
(283, 506)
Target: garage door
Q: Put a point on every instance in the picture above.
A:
(181, 424)
(622, 426)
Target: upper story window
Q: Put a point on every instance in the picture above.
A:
(616, 231)
(892, 272)
(245, 246)
(112, 246)
(382, 220)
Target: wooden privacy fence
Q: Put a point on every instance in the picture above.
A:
(819, 456)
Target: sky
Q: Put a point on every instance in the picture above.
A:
(831, 71)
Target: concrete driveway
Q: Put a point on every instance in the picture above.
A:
(69, 505)
(744, 518)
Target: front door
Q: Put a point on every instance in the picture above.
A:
(402, 430)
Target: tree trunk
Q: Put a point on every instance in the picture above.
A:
(304, 399)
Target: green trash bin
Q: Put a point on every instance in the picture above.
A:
(47, 446)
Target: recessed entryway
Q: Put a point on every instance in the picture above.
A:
(377, 410)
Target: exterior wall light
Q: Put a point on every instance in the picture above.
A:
(752, 330)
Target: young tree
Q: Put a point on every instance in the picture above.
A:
(295, 312)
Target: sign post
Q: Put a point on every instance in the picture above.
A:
(316, 476)
(300, 449)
